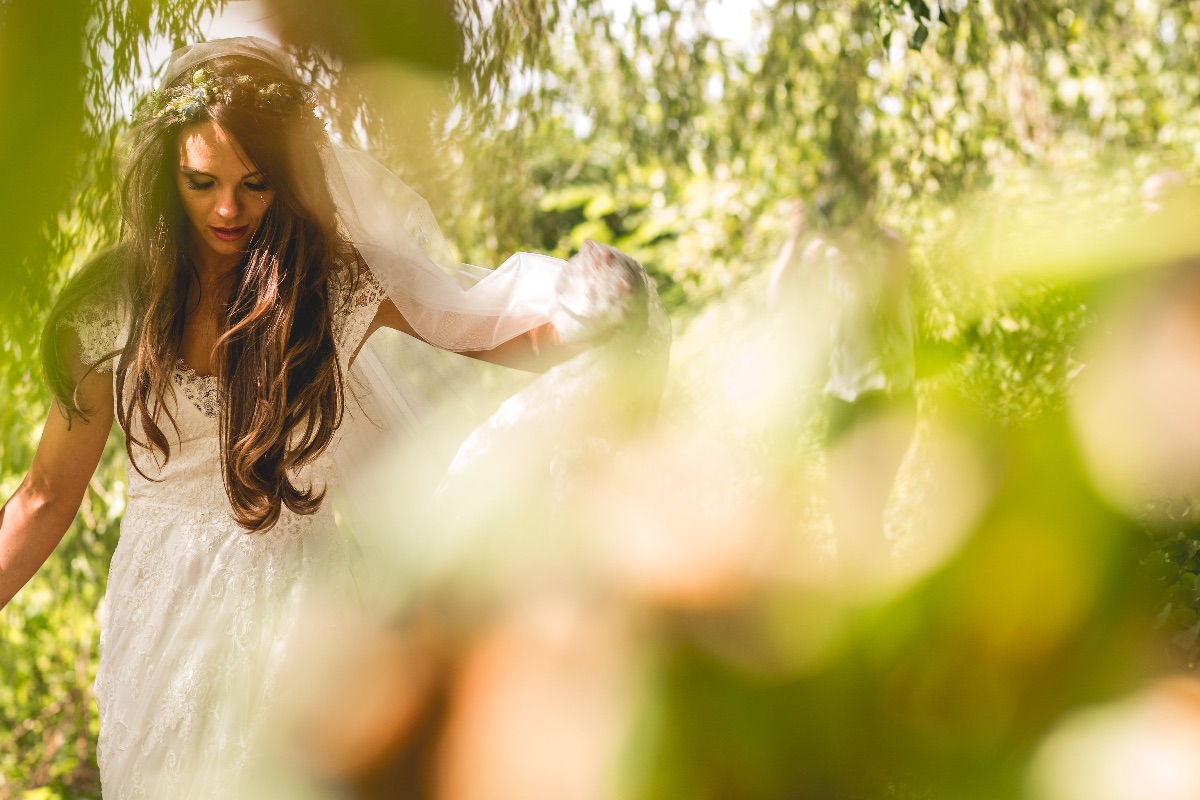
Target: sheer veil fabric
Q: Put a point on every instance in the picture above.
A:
(198, 616)
(455, 307)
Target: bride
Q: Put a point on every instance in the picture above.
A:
(220, 333)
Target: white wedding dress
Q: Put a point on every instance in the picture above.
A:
(201, 619)
(198, 613)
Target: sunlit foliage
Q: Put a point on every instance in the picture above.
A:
(534, 124)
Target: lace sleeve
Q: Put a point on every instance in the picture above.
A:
(98, 323)
(354, 312)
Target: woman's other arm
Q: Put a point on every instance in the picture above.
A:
(34, 519)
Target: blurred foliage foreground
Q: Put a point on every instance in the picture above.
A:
(677, 623)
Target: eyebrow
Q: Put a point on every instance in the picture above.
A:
(189, 171)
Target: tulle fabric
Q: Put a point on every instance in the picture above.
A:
(452, 306)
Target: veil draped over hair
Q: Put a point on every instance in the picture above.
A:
(459, 307)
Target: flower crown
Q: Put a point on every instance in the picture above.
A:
(186, 102)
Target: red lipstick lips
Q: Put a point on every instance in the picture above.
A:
(229, 234)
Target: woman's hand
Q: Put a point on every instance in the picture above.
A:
(600, 290)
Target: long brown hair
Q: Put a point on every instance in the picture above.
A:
(282, 387)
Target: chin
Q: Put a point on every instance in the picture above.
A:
(228, 248)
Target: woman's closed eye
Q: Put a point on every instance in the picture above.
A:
(254, 186)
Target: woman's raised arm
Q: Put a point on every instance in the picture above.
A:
(34, 519)
(536, 350)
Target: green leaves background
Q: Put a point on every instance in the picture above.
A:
(559, 120)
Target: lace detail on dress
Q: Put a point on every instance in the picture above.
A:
(202, 391)
(353, 315)
(98, 322)
(351, 319)
(199, 616)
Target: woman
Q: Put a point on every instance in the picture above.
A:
(256, 261)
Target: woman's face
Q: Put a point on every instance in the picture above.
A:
(224, 195)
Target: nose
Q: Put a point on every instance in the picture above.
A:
(228, 205)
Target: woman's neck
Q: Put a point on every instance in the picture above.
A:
(210, 275)
(210, 268)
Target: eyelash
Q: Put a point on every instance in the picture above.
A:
(254, 187)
